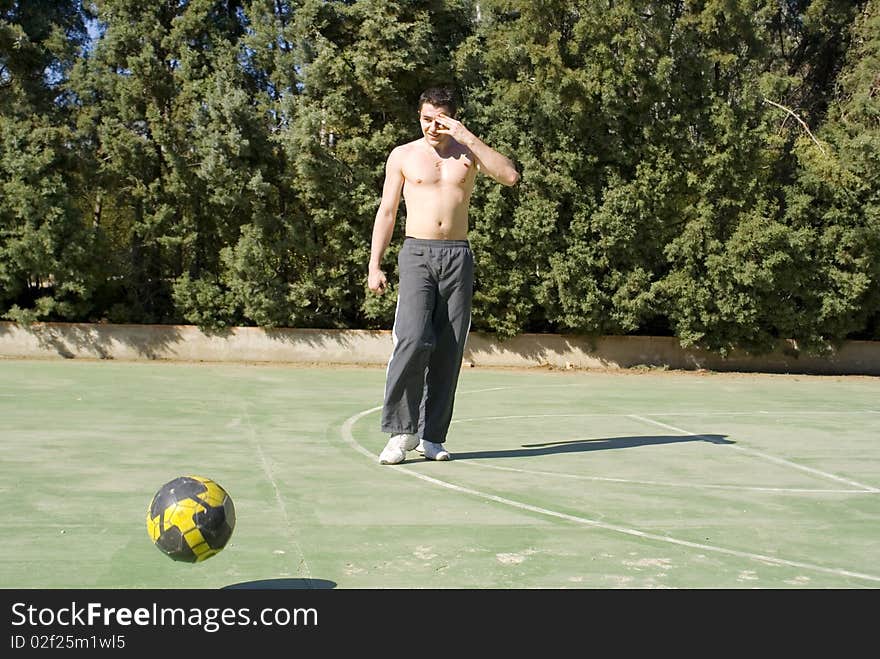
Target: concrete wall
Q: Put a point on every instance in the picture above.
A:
(250, 344)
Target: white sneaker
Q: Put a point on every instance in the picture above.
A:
(396, 448)
(433, 451)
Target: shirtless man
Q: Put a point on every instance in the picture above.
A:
(436, 174)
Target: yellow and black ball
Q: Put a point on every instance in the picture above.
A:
(191, 518)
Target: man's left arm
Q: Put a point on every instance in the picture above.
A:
(489, 161)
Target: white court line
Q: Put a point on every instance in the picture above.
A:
(701, 486)
(348, 436)
(530, 416)
(679, 413)
(861, 487)
(773, 413)
(765, 456)
(472, 391)
(278, 498)
(797, 413)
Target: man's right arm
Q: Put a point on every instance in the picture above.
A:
(383, 227)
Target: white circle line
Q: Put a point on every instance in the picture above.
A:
(348, 436)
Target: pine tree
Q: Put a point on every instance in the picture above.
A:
(636, 126)
(46, 271)
(171, 132)
(836, 199)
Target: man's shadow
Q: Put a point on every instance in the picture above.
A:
(583, 445)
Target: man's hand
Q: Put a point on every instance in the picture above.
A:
(376, 281)
(499, 167)
(455, 129)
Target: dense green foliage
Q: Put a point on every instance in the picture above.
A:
(705, 169)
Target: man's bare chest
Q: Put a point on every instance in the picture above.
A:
(427, 170)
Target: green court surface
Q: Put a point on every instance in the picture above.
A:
(560, 479)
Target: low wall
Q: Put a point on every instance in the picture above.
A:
(251, 344)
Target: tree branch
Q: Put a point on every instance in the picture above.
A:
(800, 121)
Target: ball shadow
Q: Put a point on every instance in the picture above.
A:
(283, 584)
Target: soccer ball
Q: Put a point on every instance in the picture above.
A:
(191, 518)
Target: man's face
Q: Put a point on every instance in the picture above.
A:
(431, 125)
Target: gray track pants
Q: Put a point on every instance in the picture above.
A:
(430, 331)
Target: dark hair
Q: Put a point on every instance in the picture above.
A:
(441, 97)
